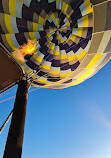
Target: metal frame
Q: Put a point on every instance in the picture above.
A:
(11, 58)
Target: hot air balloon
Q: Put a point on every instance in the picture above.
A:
(56, 43)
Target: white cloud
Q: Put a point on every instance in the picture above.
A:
(96, 113)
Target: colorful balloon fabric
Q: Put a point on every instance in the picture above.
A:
(52, 40)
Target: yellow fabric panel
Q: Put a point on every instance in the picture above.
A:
(73, 37)
(35, 27)
(57, 85)
(57, 22)
(68, 16)
(21, 1)
(58, 36)
(45, 66)
(86, 74)
(41, 20)
(32, 35)
(38, 58)
(52, 30)
(67, 40)
(64, 28)
(85, 21)
(48, 34)
(52, 46)
(67, 23)
(34, 85)
(88, 6)
(47, 84)
(9, 40)
(75, 83)
(64, 7)
(63, 56)
(72, 57)
(62, 40)
(93, 61)
(31, 73)
(56, 52)
(82, 55)
(27, 71)
(54, 72)
(8, 23)
(33, 76)
(65, 75)
(12, 7)
(41, 80)
(49, 40)
(79, 32)
(47, 16)
(52, 16)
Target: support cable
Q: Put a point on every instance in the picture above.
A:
(11, 113)
(6, 121)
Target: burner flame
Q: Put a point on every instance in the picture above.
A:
(29, 48)
(26, 49)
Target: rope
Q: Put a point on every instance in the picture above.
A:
(7, 99)
(9, 116)
(7, 94)
(30, 91)
(6, 121)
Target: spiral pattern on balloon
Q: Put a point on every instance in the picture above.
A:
(62, 29)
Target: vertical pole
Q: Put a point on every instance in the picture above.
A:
(13, 148)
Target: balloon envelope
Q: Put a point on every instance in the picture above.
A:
(55, 41)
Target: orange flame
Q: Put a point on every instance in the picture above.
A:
(29, 48)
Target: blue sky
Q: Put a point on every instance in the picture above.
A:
(69, 123)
